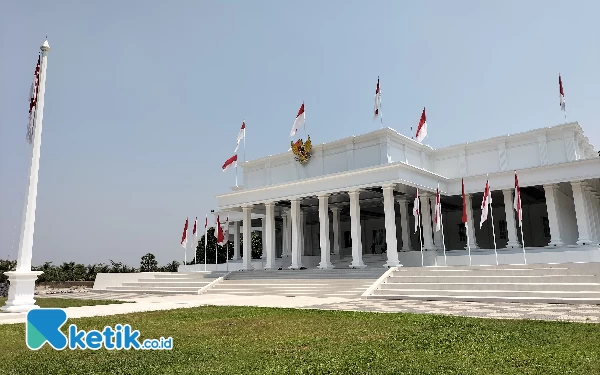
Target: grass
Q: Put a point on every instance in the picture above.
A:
(247, 340)
(67, 302)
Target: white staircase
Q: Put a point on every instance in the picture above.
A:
(344, 282)
(557, 283)
(168, 283)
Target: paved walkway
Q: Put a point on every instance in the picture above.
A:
(573, 313)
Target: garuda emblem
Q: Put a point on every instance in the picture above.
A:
(302, 150)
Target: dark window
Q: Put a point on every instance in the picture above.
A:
(546, 226)
(347, 239)
(503, 229)
(462, 232)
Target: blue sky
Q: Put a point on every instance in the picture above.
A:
(143, 103)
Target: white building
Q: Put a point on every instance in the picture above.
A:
(359, 191)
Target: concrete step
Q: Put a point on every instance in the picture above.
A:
(564, 278)
(478, 298)
(157, 288)
(492, 286)
(151, 291)
(443, 272)
(489, 293)
(155, 283)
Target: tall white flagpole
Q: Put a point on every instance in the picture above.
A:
(22, 281)
(468, 242)
(420, 237)
(205, 240)
(522, 239)
(493, 229)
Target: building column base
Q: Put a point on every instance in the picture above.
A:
(585, 242)
(513, 245)
(390, 264)
(555, 243)
(21, 291)
(357, 265)
(325, 266)
(295, 267)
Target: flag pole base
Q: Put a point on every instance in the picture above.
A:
(21, 291)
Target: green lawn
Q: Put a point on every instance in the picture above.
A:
(240, 340)
(67, 302)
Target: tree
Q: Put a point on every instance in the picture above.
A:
(221, 251)
(171, 267)
(148, 263)
(256, 245)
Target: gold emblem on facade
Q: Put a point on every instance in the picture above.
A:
(302, 150)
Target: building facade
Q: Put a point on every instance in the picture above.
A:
(354, 198)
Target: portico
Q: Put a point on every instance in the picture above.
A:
(355, 197)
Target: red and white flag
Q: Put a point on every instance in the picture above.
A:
(299, 120)
(517, 201)
(377, 100)
(33, 95)
(184, 235)
(241, 135)
(422, 128)
(438, 210)
(219, 232)
(562, 94)
(195, 230)
(485, 203)
(231, 162)
(416, 210)
(464, 203)
(226, 230)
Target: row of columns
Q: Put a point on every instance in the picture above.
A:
(586, 199)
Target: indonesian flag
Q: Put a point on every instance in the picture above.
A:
(517, 201)
(194, 231)
(416, 211)
(33, 95)
(562, 94)
(377, 100)
(241, 135)
(438, 210)
(485, 203)
(226, 230)
(184, 235)
(231, 162)
(422, 128)
(299, 120)
(464, 203)
(219, 232)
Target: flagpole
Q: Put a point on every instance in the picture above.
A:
(420, 237)
(443, 240)
(22, 280)
(493, 229)
(381, 112)
(468, 243)
(523, 240)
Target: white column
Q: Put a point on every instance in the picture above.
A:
(471, 222)
(263, 236)
(551, 191)
(592, 212)
(22, 281)
(284, 233)
(583, 224)
(335, 211)
(511, 223)
(269, 235)
(288, 237)
(596, 210)
(236, 240)
(296, 235)
(426, 222)
(355, 230)
(390, 227)
(247, 220)
(324, 232)
(403, 203)
(303, 231)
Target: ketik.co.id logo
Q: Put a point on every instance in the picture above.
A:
(43, 326)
